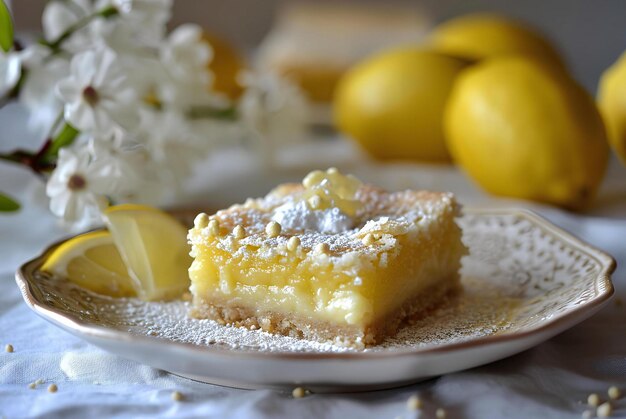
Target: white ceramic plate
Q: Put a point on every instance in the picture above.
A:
(524, 281)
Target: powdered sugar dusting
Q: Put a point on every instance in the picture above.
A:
(300, 217)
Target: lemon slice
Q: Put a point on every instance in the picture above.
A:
(92, 261)
(144, 253)
(153, 245)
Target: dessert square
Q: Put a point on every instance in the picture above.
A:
(330, 259)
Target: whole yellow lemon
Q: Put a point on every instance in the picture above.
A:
(484, 35)
(392, 104)
(521, 130)
(612, 102)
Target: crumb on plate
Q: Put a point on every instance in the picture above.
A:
(298, 393)
(414, 403)
(593, 400)
(605, 410)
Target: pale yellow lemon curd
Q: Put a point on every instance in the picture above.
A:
(330, 259)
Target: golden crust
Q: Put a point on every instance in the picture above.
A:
(233, 314)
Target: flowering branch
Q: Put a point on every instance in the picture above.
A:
(127, 110)
(44, 160)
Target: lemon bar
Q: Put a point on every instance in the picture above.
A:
(330, 259)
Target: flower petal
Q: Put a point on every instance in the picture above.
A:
(105, 63)
(80, 115)
(67, 90)
(84, 67)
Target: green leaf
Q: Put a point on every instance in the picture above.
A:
(108, 12)
(6, 28)
(8, 204)
(66, 137)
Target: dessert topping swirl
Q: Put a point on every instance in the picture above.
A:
(328, 204)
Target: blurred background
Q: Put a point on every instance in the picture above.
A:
(429, 117)
(590, 34)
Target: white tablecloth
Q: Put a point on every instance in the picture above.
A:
(551, 380)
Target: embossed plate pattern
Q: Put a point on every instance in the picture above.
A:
(525, 281)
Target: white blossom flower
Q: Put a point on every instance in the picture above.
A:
(34, 55)
(101, 33)
(37, 91)
(186, 78)
(10, 70)
(97, 95)
(110, 33)
(185, 53)
(129, 171)
(78, 186)
(59, 16)
(124, 175)
(170, 141)
(135, 24)
(92, 173)
(273, 108)
(147, 18)
(141, 66)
